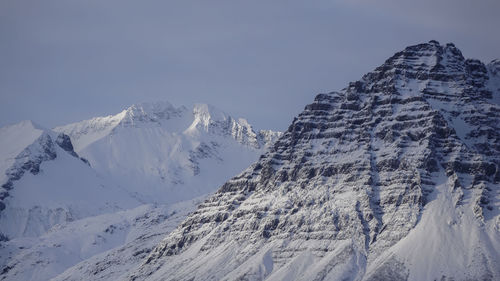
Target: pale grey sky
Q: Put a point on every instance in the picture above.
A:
(63, 61)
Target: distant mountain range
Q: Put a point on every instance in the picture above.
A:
(395, 177)
(91, 182)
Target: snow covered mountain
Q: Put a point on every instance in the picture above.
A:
(396, 177)
(45, 186)
(160, 153)
(143, 171)
(44, 183)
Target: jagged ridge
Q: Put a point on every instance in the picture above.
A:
(155, 149)
(354, 174)
(164, 153)
(29, 159)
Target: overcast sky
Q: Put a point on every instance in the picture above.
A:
(63, 61)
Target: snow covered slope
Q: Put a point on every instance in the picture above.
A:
(165, 154)
(146, 166)
(44, 182)
(396, 177)
(148, 227)
(107, 244)
(45, 186)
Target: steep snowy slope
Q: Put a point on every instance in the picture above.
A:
(61, 211)
(44, 182)
(149, 227)
(105, 244)
(396, 177)
(45, 185)
(161, 153)
(14, 139)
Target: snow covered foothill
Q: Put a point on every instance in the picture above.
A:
(112, 243)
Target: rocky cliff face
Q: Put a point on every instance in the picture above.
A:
(396, 177)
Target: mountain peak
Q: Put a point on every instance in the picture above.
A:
(207, 113)
(150, 107)
(494, 67)
(27, 124)
(434, 42)
(150, 112)
(422, 59)
(406, 156)
(16, 137)
(427, 62)
(207, 118)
